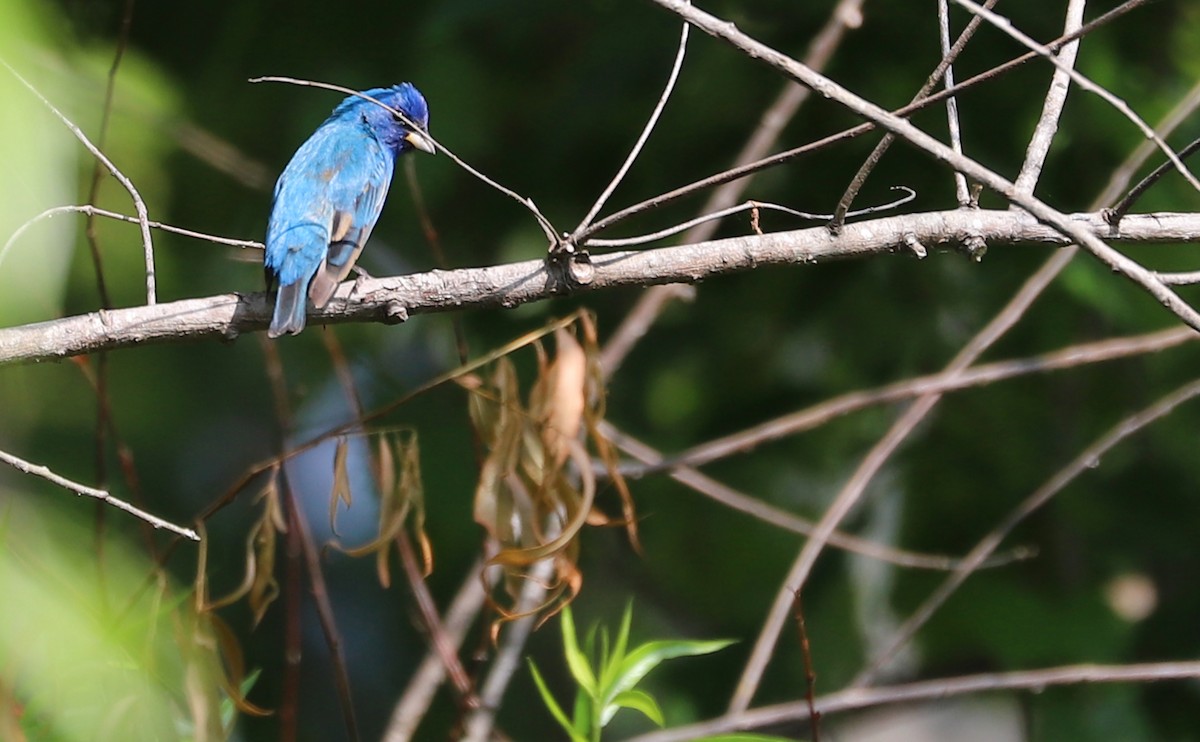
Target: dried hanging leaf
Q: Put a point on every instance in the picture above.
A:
(235, 669)
(612, 466)
(499, 407)
(259, 579)
(384, 464)
(341, 482)
(264, 589)
(537, 484)
(401, 501)
(567, 397)
(576, 513)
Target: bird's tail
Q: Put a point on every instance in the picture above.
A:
(290, 307)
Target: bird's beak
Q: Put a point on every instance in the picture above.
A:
(420, 141)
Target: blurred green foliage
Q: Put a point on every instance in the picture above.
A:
(547, 97)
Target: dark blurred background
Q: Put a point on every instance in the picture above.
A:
(547, 97)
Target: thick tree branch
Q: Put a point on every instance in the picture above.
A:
(391, 300)
(858, 698)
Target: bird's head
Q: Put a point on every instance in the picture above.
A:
(391, 130)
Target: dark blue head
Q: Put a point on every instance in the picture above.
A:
(393, 132)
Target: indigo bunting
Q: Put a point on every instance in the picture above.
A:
(330, 195)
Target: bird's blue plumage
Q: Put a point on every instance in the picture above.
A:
(329, 197)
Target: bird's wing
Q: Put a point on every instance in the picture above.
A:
(302, 213)
(357, 193)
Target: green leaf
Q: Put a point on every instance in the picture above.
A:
(638, 701)
(582, 713)
(555, 710)
(577, 661)
(609, 669)
(648, 656)
(745, 737)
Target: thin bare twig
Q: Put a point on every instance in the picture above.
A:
(841, 212)
(293, 626)
(845, 16)
(90, 210)
(547, 228)
(1118, 212)
(138, 204)
(909, 196)
(325, 618)
(1052, 106)
(641, 140)
(944, 381)
(1085, 83)
(858, 698)
(37, 470)
(93, 194)
(742, 171)
(1088, 459)
(411, 708)
(479, 722)
(1179, 279)
(779, 518)
(960, 181)
(440, 642)
(810, 674)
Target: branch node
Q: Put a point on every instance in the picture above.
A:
(975, 247)
(914, 244)
(396, 313)
(580, 269)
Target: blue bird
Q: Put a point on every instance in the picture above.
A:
(329, 197)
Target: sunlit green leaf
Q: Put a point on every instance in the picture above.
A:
(745, 737)
(638, 701)
(648, 656)
(577, 662)
(612, 664)
(551, 704)
(582, 713)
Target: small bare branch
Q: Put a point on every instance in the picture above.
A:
(1088, 459)
(921, 98)
(1083, 82)
(641, 140)
(90, 210)
(858, 698)
(1052, 107)
(767, 513)
(753, 206)
(845, 16)
(903, 128)
(1118, 212)
(543, 222)
(821, 413)
(138, 203)
(961, 189)
(36, 470)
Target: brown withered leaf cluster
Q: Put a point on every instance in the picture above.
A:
(396, 467)
(537, 485)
